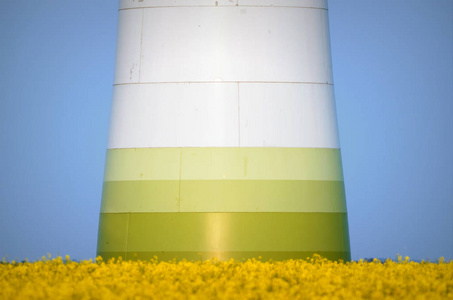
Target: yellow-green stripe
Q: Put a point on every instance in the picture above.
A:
(232, 163)
(223, 232)
(195, 203)
(223, 196)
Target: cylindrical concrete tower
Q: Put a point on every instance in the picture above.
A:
(223, 135)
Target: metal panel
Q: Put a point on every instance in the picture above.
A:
(260, 164)
(229, 163)
(294, 3)
(223, 196)
(232, 232)
(287, 115)
(280, 44)
(127, 62)
(217, 179)
(127, 4)
(174, 115)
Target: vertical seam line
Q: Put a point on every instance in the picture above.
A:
(239, 120)
(141, 45)
(127, 234)
(179, 190)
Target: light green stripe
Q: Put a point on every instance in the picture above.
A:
(231, 163)
(261, 164)
(223, 232)
(223, 196)
(227, 255)
(142, 164)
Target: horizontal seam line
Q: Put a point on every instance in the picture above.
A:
(144, 251)
(178, 147)
(222, 179)
(223, 212)
(223, 6)
(225, 81)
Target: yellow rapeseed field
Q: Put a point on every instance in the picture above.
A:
(315, 278)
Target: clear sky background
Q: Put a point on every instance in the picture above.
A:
(393, 75)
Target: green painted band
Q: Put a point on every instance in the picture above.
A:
(231, 163)
(223, 256)
(223, 196)
(223, 232)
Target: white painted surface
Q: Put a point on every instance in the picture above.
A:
(174, 115)
(294, 3)
(190, 44)
(206, 115)
(127, 61)
(190, 74)
(127, 4)
(287, 115)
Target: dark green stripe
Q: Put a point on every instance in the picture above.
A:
(113, 231)
(223, 196)
(227, 255)
(223, 232)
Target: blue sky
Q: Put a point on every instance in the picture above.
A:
(393, 74)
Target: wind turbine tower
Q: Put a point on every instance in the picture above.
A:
(223, 136)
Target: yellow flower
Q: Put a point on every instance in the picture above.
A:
(315, 277)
